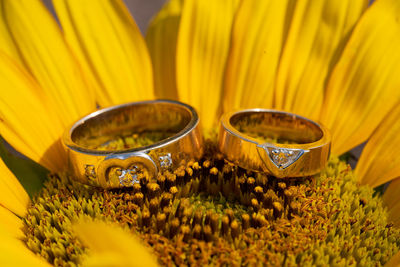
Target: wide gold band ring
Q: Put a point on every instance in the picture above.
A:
(92, 165)
(278, 143)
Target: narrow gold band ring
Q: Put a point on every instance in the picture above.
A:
(278, 143)
(124, 168)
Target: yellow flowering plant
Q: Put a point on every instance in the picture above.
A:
(332, 61)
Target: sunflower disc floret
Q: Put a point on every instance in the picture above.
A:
(212, 212)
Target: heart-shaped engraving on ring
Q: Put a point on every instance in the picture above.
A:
(282, 157)
(125, 170)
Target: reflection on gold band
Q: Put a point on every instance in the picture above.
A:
(176, 124)
(278, 143)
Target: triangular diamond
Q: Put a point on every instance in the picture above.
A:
(283, 157)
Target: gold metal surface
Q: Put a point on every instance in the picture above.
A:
(122, 168)
(278, 143)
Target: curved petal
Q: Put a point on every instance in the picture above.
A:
(25, 120)
(391, 198)
(48, 58)
(110, 48)
(259, 30)
(15, 253)
(316, 37)
(12, 195)
(111, 246)
(161, 39)
(364, 85)
(202, 50)
(11, 223)
(380, 159)
(394, 261)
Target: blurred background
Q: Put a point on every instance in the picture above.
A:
(141, 10)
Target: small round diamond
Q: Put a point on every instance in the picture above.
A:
(165, 161)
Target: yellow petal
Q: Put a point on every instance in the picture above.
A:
(316, 36)
(12, 195)
(110, 47)
(15, 253)
(27, 118)
(394, 261)
(365, 83)
(161, 40)
(10, 223)
(259, 30)
(7, 44)
(112, 246)
(202, 50)
(380, 159)
(391, 198)
(48, 58)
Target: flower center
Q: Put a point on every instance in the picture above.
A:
(211, 212)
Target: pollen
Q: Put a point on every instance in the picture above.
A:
(212, 212)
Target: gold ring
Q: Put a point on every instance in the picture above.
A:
(90, 163)
(278, 143)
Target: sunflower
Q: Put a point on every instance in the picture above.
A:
(331, 61)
